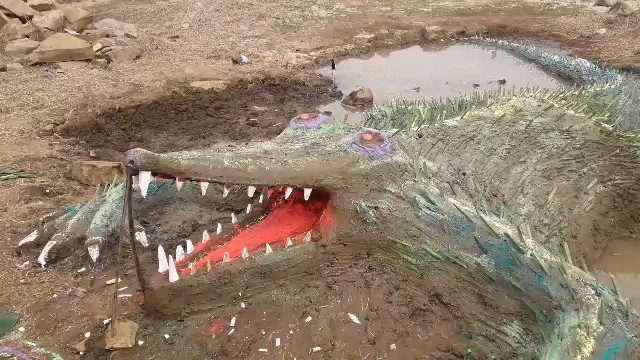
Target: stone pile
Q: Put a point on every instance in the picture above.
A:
(45, 31)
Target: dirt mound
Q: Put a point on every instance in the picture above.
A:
(193, 118)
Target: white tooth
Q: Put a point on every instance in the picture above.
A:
(208, 265)
(179, 184)
(203, 187)
(248, 208)
(192, 268)
(135, 181)
(307, 237)
(251, 190)
(268, 249)
(141, 237)
(219, 229)
(173, 273)
(179, 253)
(205, 236)
(42, 259)
(189, 246)
(31, 237)
(144, 179)
(289, 242)
(245, 253)
(307, 193)
(225, 192)
(226, 258)
(163, 265)
(234, 219)
(261, 198)
(94, 252)
(288, 192)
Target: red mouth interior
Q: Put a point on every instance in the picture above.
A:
(282, 219)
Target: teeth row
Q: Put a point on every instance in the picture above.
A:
(144, 178)
(168, 264)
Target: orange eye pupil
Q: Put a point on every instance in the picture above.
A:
(367, 137)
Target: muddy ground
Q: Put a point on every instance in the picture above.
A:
(50, 120)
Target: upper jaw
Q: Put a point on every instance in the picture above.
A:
(306, 168)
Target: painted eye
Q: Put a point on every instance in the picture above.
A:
(309, 121)
(372, 144)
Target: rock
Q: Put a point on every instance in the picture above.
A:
(363, 38)
(122, 336)
(40, 34)
(62, 47)
(101, 63)
(41, 5)
(20, 47)
(76, 19)
(124, 54)
(72, 65)
(433, 32)
(102, 44)
(4, 20)
(607, 3)
(359, 98)
(115, 28)
(601, 31)
(3, 68)
(51, 20)
(210, 84)
(14, 66)
(18, 8)
(11, 28)
(96, 172)
(15, 29)
(624, 8)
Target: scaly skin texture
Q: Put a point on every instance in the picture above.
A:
(507, 188)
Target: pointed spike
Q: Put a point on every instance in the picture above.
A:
(189, 246)
(225, 191)
(234, 219)
(205, 236)
(179, 253)
(251, 190)
(203, 187)
(163, 265)
(307, 193)
(288, 192)
(208, 265)
(307, 237)
(173, 273)
(42, 258)
(268, 249)
(226, 258)
(141, 237)
(219, 229)
(179, 184)
(289, 243)
(30, 238)
(144, 179)
(245, 253)
(261, 198)
(248, 208)
(94, 252)
(192, 268)
(136, 182)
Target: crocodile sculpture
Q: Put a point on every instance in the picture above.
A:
(498, 184)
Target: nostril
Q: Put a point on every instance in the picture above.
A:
(133, 159)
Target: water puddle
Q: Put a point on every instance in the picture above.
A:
(621, 259)
(416, 73)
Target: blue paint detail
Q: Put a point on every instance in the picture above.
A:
(501, 254)
(72, 210)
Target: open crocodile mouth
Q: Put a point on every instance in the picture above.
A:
(276, 217)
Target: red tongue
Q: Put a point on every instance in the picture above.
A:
(293, 218)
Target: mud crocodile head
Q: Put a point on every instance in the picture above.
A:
(308, 183)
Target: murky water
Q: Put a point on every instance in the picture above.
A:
(416, 73)
(621, 259)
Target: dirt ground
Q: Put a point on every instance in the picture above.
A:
(48, 120)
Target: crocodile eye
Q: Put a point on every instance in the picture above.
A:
(372, 144)
(309, 121)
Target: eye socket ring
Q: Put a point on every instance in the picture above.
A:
(372, 144)
(309, 121)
